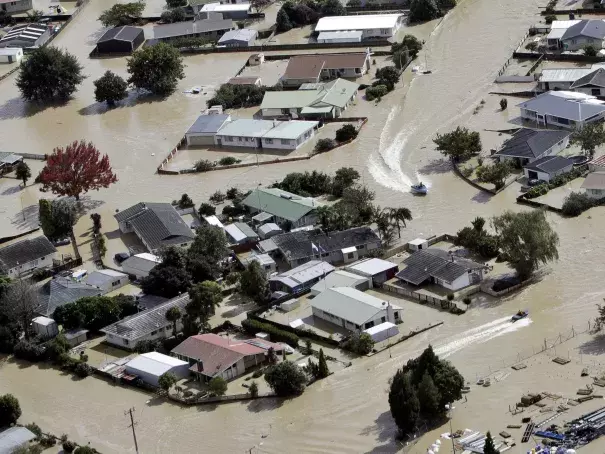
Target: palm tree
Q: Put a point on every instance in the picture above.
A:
(173, 315)
(399, 216)
(383, 224)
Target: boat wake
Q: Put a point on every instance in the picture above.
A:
(480, 334)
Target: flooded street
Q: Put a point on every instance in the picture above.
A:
(347, 412)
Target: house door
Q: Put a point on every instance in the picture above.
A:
(540, 119)
(219, 142)
(532, 175)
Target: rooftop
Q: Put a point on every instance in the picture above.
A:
(190, 28)
(99, 277)
(595, 78)
(144, 257)
(310, 66)
(280, 203)
(591, 28)
(155, 363)
(371, 266)
(213, 220)
(243, 80)
(599, 161)
(290, 129)
(360, 22)
(14, 437)
(563, 74)
(304, 273)
(60, 291)
(334, 93)
(125, 33)
(25, 251)
(436, 263)
(218, 8)
(531, 143)
(241, 34)
(550, 164)
(339, 278)
(594, 180)
(246, 127)
(24, 32)
(340, 35)
(270, 227)
(208, 124)
(565, 104)
(240, 231)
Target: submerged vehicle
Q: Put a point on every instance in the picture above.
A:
(519, 315)
(419, 188)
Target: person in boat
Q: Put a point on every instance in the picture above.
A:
(520, 313)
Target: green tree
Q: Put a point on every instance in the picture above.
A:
(253, 283)
(399, 216)
(428, 397)
(577, 203)
(495, 174)
(206, 253)
(217, 386)
(323, 145)
(590, 50)
(344, 178)
(322, 365)
(10, 410)
(409, 44)
(110, 88)
(122, 14)
(459, 143)
(526, 240)
(333, 8)
(376, 91)
(206, 210)
(253, 389)
(489, 447)
(23, 173)
(389, 76)
(423, 10)
(173, 315)
(46, 218)
(589, 137)
(185, 202)
(286, 379)
(282, 21)
(176, 3)
(404, 403)
(205, 297)
(166, 281)
(503, 104)
(167, 380)
(156, 69)
(173, 15)
(49, 74)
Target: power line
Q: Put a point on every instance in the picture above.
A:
(132, 424)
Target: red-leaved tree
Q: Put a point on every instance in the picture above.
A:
(76, 169)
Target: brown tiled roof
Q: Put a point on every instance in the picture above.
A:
(307, 66)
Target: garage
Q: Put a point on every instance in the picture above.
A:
(202, 132)
(120, 40)
(149, 367)
(548, 167)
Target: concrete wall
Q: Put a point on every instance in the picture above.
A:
(43, 262)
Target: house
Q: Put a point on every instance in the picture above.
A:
(45, 326)
(209, 29)
(597, 164)
(12, 438)
(340, 37)
(11, 54)
(240, 233)
(283, 135)
(284, 206)
(317, 100)
(107, 280)
(60, 291)
(301, 278)
(565, 109)
(140, 265)
(210, 355)
(560, 78)
(15, 6)
(235, 11)
(378, 270)
(353, 310)
(345, 246)
(148, 325)
(266, 231)
(594, 185)
(120, 40)
(592, 83)
(548, 167)
(242, 37)
(528, 145)
(341, 278)
(589, 32)
(26, 255)
(243, 80)
(8, 160)
(264, 260)
(149, 367)
(383, 26)
(203, 130)
(197, 5)
(304, 69)
(557, 30)
(155, 224)
(439, 267)
(26, 36)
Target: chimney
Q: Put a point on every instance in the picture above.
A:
(390, 313)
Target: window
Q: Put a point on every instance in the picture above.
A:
(125, 341)
(285, 141)
(351, 255)
(396, 315)
(383, 319)
(362, 246)
(154, 332)
(595, 91)
(357, 70)
(240, 139)
(268, 140)
(114, 283)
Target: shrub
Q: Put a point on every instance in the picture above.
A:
(185, 202)
(69, 446)
(590, 51)
(146, 346)
(362, 344)
(28, 351)
(35, 429)
(450, 297)
(466, 300)
(203, 165)
(218, 197)
(237, 96)
(550, 18)
(218, 386)
(48, 441)
(232, 193)
(253, 389)
(83, 370)
(10, 410)
(39, 274)
(257, 373)
(252, 326)
(537, 191)
(229, 160)
(286, 379)
(206, 210)
(503, 104)
(576, 203)
(376, 92)
(173, 15)
(323, 145)
(531, 46)
(347, 132)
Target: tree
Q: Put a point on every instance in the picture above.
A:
(590, 50)
(57, 218)
(156, 69)
(399, 216)
(526, 240)
(322, 371)
(333, 8)
(46, 218)
(409, 45)
(589, 137)
(577, 203)
(404, 403)
(253, 389)
(344, 178)
(282, 21)
(458, 144)
(110, 88)
(19, 303)
(185, 202)
(503, 104)
(176, 3)
(173, 315)
(389, 76)
(206, 210)
(217, 197)
(166, 281)
(376, 91)
(167, 380)
(85, 450)
(286, 379)
(489, 447)
(254, 284)
(428, 397)
(324, 145)
(423, 10)
(362, 344)
(236, 96)
(205, 297)
(259, 5)
(48, 74)
(206, 253)
(96, 222)
(75, 169)
(34, 15)
(10, 410)
(122, 14)
(495, 174)
(23, 173)
(173, 15)
(217, 386)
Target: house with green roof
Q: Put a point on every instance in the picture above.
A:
(311, 100)
(283, 206)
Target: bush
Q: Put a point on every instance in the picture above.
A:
(39, 274)
(531, 46)
(48, 441)
(69, 446)
(324, 145)
(346, 133)
(228, 161)
(173, 15)
(550, 18)
(203, 165)
(450, 297)
(376, 92)
(218, 197)
(576, 203)
(253, 389)
(29, 352)
(466, 300)
(35, 429)
(252, 326)
(217, 386)
(236, 96)
(362, 344)
(257, 373)
(232, 193)
(83, 370)
(10, 410)
(503, 104)
(206, 210)
(537, 191)
(185, 202)
(286, 379)
(590, 51)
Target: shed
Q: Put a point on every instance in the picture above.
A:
(382, 331)
(418, 244)
(235, 11)
(213, 220)
(76, 336)
(290, 305)
(149, 367)
(140, 265)
(14, 437)
(44, 326)
(107, 280)
(547, 167)
(120, 40)
(203, 130)
(242, 37)
(349, 254)
(268, 230)
(377, 269)
(341, 278)
(11, 54)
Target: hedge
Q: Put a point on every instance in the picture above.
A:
(277, 335)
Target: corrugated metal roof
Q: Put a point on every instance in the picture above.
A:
(565, 104)
(360, 22)
(339, 278)
(242, 35)
(208, 124)
(290, 129)
(25, 251)
(154, 363)
(190, 28)
(371, 266)
(280, 203)
(304, 273)
(218, 8)
(14, 437)
(531, 143)
(550, 164)
(563, 74)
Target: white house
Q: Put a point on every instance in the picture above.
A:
(548, 167)
(565, 109)
(25, 256)
(45, 326)
(281, 135)
(594, 185)
(150, 324)
(149, 367)
(528, 145)
(107, 280)
(140, 265)
(590, 32)
(371, 25)
(353, 310)
(11, 54)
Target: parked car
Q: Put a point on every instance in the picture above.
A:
(62, 242)
(121, 256)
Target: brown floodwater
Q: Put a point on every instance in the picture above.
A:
(348, 412)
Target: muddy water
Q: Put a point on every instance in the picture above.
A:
(348, 412)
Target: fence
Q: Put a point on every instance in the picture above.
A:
(278, 47)
(69, 19)
(558, 57)
(507, 62)
(523, 201)
(439, 303)
(299, 332)
(219, 399)
(39, 157)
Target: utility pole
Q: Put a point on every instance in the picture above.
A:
(132, 424)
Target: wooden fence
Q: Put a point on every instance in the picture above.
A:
(439, 303)
(279, 47)
(219, 399)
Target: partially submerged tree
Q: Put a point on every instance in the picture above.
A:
(333, 8)
(76, 169)
(205, 297)
(286, 379)
(167, 380)
(156, 69)
(122, 14)
(49, 74)
(173, 15)
(253, 283)
(489, 447)
(23, 173)
(322, 365)
(423, 10)
(10, 410)
(589, 137)
(19, 303)
(176, 3)
(398, 216)
(110, 88)
(460, 143)
(217, 386)
(346, 133)
(495, 174)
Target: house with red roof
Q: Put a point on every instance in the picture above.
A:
(211, 355)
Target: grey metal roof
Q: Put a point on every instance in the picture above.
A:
(563, 74)
(594, 180)
(565, 104)
(25, 251)
(436, 263)
(591, 28)
(242, 35)
(9, 158)
(29, 33)
(550, 164)
(14, 437)
(304, 273)
(157, 224)
(60, 291)
(124, 33)
(262, 217)
(531, 143)
(595, 78)
(100, 277)
(190, 28)
(270, 227)
(208, 124)
(143, 323)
